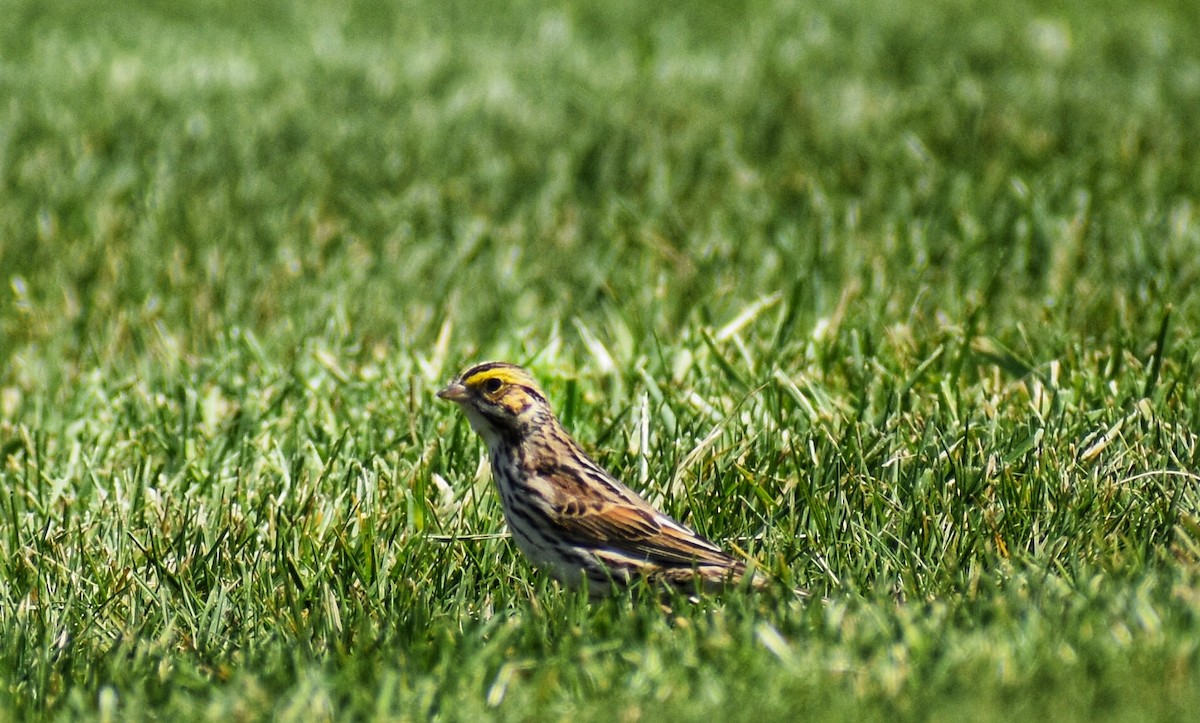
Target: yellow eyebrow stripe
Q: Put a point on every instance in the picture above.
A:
(510, 375)
(506, 373)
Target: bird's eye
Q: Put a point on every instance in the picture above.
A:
(491, 386)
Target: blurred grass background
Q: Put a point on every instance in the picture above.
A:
(897, 296)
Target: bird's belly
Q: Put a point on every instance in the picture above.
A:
(544, 554)
(533, 533)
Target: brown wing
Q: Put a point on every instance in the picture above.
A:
(633, 527)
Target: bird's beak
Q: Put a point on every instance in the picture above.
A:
(455, 392)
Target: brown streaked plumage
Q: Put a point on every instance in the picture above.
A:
(567, 514)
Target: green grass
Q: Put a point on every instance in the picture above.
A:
(897, 297)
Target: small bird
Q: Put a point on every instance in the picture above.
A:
(568, 515)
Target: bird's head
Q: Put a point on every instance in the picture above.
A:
(499, 399)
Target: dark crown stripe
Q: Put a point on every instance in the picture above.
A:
(486, 367)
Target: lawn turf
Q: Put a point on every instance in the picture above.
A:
(897, 297)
